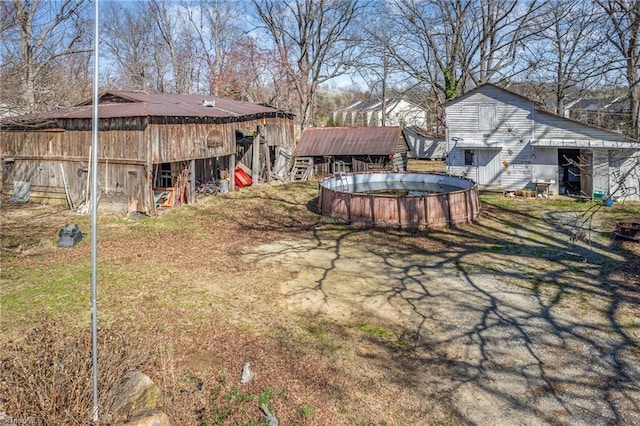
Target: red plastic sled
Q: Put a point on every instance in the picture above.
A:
(242, 178)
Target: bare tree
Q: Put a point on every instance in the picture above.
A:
(216, 25)
(498, 31)
(177, 43)
(235, 64)
(624, 36)
(314, 40)
(430, 43)
(36, 36)
(448, 44)
(375, 62)
(253, 73)
(152, 46)
(128, 35)
(568, 54)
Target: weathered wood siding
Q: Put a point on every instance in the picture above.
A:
(171, 142)
(127, 149)
(42, 156)
(402, 146)
(182, 142)
(280, 132)
(116, 146)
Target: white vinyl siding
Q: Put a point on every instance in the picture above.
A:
(495, 118)
(522, 143)
(545, 166)
(599, 171)
(517, 172)
(489, 167)
(624, 175)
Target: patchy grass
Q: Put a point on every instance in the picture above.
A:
(415, 165)
(322, 336)
(46, 291)
(306, 411)
(372, 330)
(177, 299)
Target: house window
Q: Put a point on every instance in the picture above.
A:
(468, 157)
(487, 117)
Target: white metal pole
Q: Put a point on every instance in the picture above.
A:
(94, 215)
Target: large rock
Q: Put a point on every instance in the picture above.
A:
(136, 396)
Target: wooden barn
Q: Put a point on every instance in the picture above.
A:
(352, 149)
(148, 144)
(502, 141)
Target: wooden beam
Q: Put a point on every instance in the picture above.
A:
(192, 181)
(232, 172)
(255, 156)
(79, 159)
(267, 159)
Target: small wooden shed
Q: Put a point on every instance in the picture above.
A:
(146, 143)
(353, 149)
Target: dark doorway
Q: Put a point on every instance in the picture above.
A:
(569, 171)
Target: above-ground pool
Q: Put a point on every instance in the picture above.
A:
(405, 200)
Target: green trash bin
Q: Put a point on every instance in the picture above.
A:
(598, 196)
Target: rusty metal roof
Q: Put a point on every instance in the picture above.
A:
(116, 104)
(334, 141)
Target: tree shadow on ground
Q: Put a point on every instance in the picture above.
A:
(507, 320)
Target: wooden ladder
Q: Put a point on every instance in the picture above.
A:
(302, 168)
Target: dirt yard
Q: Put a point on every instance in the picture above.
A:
(511, 320)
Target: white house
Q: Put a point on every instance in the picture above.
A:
(399, 112)
(499, 139)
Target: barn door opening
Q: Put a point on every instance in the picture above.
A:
(212, 175)
(173, 183)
